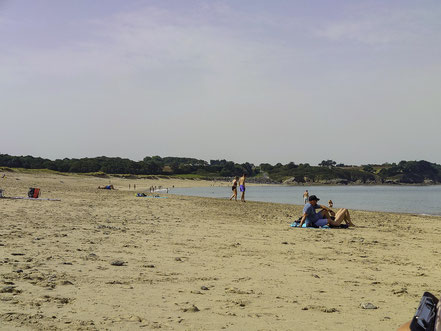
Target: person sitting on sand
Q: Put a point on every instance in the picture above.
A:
(107, 187)
(323, 217)
(330, 204)
(242, 187)
(234, 188)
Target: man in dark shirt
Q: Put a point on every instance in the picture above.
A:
(311, 217)
(323, 217)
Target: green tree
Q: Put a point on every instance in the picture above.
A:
(327, 163)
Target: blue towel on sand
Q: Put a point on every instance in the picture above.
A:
(296, 225)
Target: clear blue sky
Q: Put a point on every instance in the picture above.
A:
(260, 81)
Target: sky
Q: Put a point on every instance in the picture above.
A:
(256, 81)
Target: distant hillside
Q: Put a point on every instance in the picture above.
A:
(154, 165)
(327, 172)
(405, 172)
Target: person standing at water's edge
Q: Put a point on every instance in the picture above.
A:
(234, 188)
(242, 187)
(305, 197)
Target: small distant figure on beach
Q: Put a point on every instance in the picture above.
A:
(242, 187)
(330, 204)
(134, 186)
(107, 187)
(4, 176)
(234, 188)
(305, 197)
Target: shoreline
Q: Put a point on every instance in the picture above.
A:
(301, 206)
(251, 180)
(265, 194)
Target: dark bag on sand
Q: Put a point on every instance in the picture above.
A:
(34, 192)
(425, 316)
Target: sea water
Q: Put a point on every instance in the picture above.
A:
(401, 199)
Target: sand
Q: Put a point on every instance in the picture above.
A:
(201, 264)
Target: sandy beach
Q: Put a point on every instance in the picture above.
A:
(188, 263)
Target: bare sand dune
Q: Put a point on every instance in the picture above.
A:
(103, 259)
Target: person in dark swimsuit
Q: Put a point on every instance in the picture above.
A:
(234, 188)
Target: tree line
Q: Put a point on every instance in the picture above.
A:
(411, 172)
(150, 165)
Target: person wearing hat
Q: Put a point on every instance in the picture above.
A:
(322, 218)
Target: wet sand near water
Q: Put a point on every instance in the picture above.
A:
(102, 259)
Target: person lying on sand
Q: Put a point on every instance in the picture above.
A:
(107, 187)
(341, 215)
(323, 217)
